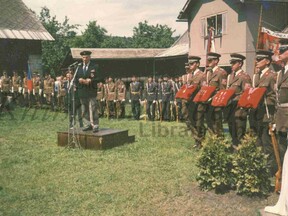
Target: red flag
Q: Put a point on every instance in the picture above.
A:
(29, 78)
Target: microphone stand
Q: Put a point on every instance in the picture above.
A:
(72, 141)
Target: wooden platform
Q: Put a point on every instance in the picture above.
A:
(104, 139)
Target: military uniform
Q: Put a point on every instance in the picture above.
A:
(71, 92)
(264, 113)
(111, 98)
(5, 89)
(16, 87)
(237, 117)
(49, 91)
(135, 97)
(196, 111)
(121, 96)
(282, 105)
(150, 95)
(167, 97)
(101, 98)
(216, 77)
(36, 90)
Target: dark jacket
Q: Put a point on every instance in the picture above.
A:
(87, 90)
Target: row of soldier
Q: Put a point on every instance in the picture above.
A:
(271, 110)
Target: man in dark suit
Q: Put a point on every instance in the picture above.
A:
(86, 83)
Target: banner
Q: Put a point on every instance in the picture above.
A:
(270, 40)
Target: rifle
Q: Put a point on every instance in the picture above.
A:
(278, 174)
(117, 108)
(276, 152)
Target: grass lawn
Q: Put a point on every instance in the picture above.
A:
(153, 176)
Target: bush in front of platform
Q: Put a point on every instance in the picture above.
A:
(215, 164)
(250, 169)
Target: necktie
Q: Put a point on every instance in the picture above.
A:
(84, 70)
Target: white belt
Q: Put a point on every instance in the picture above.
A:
(283, 105)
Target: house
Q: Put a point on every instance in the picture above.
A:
(21, 34)
(236, 24)
(125, 62)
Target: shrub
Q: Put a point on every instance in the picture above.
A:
(215, 164)
(250, 169)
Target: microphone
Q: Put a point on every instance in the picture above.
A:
(75, 63)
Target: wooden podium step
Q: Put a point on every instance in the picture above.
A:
(104, 139)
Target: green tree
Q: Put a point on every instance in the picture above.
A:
(117, 42)
(150, 36)
(54, 52)
(92, 37)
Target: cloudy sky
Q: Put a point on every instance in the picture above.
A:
(118, 17)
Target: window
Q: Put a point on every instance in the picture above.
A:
(218, 22)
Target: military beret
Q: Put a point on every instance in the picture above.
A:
(165, 75)
(283, 49)
(212, 55)
(236, 57)
(192, 59)
(260, 54)
(85, 52)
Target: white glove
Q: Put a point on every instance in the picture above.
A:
(44, 95)
(20, 89)
(160, 101)
(273, 127)
(33, 91)
(40, 91)
(154, 101)
(102, 99)
(171, 102)
(12, 90)
(115, 101)
(52, 94)
(129, 100)
(123, 100)
(140, 101)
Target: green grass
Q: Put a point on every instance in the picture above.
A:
(153, 176)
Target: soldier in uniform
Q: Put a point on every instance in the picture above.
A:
(26, 92)
(86, 83)
(76, 110)
(36, 89)
(135, 97)
(101, 98)
(150, 96)
(49, 90)
(6, 85)
(166, 90)
(111, 97)
(264, 113)
(159, 98)
(16, 86)
(196, 111)
(282, 102)
(215, 77)
(239, 81)
(121, 96)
